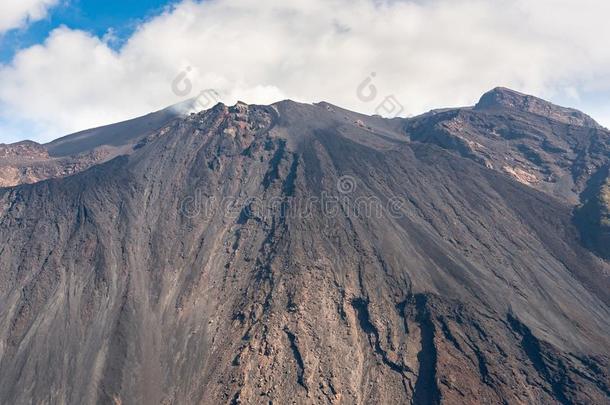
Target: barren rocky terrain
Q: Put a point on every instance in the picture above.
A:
(28, 162)
(307, 254)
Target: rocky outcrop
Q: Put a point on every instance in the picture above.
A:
(25, 150)
(502, 98)
(525, 137)
(28, 168)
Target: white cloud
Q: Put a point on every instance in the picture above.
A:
(428, 54)
(17, 13)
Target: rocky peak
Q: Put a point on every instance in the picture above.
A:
(502, 98)
(24, 149)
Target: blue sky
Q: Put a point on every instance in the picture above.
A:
(69, 65)
(99, 17)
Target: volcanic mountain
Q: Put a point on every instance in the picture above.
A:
(298, 253)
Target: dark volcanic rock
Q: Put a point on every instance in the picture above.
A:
(29, 162)
(593, 217)
(307, 254)
(502, 98)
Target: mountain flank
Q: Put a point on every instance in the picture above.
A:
(298, 253)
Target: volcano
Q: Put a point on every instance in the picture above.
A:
(303, 253)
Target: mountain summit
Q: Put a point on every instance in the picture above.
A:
(503, 98)
(309, 254)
